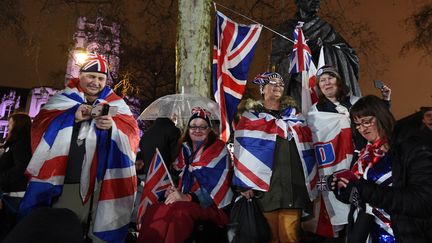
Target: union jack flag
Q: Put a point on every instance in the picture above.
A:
(157, 182)
(301, 55)
(254, 147)
(233, 52)
(211, 170)
(108, 160)
(95, 63)
(333, 147)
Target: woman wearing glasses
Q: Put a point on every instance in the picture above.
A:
(203, 189)
(330, 124)
(271, 163)
(374, 122)
(391, 191)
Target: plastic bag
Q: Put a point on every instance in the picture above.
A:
(247, 223)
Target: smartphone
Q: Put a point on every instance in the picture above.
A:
(102, 110)
(378, 84)
(347, 174)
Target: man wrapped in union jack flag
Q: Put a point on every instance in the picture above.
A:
(204, 186)
(273, 158)
(84, 143)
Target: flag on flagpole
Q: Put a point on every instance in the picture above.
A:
(232, 55)
(301, 57)
(158, 180)
(301, 62)
(309, 81)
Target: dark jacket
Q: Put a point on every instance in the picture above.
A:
(409, 200)
(164, 135)
(13, 164)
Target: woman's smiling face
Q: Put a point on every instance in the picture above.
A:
(198, 130)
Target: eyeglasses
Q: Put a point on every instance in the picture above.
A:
(365, 123)
(276, 83)
(200, 128)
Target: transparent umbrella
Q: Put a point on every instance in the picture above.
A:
(180, 106)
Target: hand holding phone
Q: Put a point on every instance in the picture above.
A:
(378, 84)
(385, 90)
(103, 110)
(347, 174)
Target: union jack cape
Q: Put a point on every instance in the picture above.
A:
(333, 145)
(108, 162)
(255, 142)
(232, 55)
(211, 170)
(157, 182)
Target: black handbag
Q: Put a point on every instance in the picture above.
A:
(247, 223)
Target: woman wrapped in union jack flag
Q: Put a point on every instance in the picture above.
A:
(273, 158)
(336, 146)
(203, 189)
(391, 190)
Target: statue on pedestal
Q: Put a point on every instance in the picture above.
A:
(318, 32)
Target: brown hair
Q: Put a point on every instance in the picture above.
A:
(341, 93)
(211, 138)
(22, 125)
(371, 105)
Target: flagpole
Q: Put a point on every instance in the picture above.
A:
(166, 169)
(246, 17)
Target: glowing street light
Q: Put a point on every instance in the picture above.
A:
(80, 56)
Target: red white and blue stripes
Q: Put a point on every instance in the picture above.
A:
(233, 51)
(108, 163)
(157, 182)
(211, 170)
(254, 146)
(334, 149)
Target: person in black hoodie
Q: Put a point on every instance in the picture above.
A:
(13, 162)
(164, 135)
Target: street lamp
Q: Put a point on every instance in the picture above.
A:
(80, 55)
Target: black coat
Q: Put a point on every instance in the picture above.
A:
(164, 135)
(13, 164)
(409, 200)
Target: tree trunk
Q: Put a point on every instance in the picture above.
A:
(193, 66)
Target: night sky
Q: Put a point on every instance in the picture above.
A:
(408, 76)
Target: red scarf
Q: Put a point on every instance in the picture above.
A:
(371, 154)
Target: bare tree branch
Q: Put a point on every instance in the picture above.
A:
(421, 23)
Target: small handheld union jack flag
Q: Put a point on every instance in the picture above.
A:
(158, 180)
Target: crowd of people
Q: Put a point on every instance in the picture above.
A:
(76, 163)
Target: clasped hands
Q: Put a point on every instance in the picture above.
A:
(173, 195)
(83, 113)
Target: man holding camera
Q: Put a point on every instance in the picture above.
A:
(84, 144)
